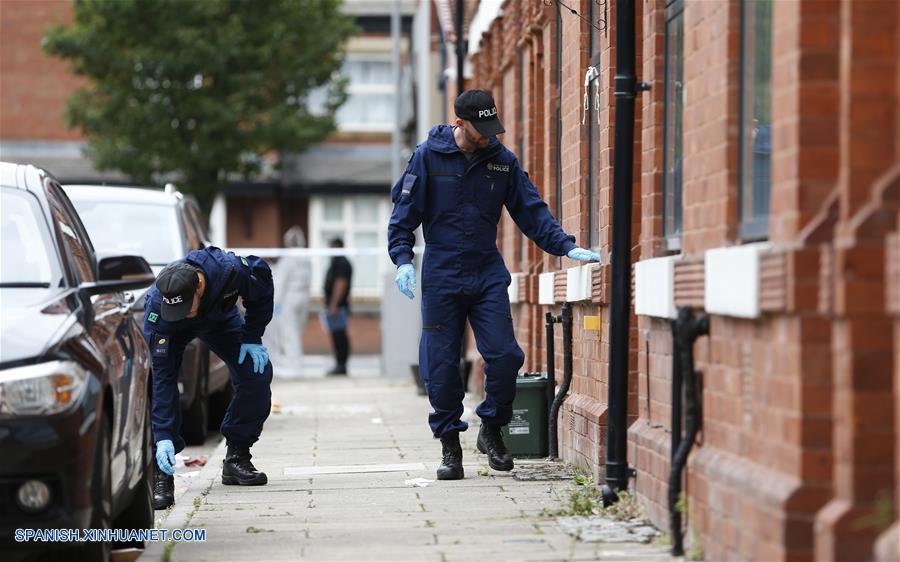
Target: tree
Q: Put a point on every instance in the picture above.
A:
(201, 88)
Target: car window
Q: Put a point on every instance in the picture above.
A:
(196, 218)
(27, 253)
(143, 229)
(190, 229)
(77, 244)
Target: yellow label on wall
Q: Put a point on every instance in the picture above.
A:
(592, 323)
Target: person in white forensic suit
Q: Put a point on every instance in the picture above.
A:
(283, 338)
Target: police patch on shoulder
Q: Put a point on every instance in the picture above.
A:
(153, 317)
(497, 167)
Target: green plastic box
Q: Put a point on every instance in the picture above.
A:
(526, 434)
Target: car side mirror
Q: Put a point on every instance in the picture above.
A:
(120, 273)
(118, 268)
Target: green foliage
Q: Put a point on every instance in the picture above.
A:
(626, 509)
(585, 498)
(201, 89)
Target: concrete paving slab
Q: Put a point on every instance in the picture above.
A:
(338, 458)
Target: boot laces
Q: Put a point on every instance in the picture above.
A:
(494, 441)
(450, 455)
(243, 463)
(160, 484)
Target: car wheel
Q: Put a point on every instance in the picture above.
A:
(139, 513)
(101, 494)
(218, 405)
(195, 418)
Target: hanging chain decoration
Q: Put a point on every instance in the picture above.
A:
(602, 20)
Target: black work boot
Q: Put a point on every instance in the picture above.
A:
(491, 443)
(451, 464)
(163, 489)
(237, 470)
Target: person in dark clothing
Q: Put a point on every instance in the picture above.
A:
(456, 186)
(337, 302)
(195, 298)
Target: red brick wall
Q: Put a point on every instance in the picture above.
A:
(35, 85)
(799, 438)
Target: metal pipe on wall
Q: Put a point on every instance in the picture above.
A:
(685, 331)
(565, 318)
(626, 88)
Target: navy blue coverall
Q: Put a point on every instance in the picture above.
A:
(458, 203)
(220, 326)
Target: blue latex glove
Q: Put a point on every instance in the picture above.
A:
(165, 456)
(258, 353)
(583, 255)
(406, 279)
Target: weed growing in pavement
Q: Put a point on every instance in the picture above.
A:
(626, 509)
(662, 541)
(695, 552)
(585, 498)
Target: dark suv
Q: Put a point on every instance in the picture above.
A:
(162, 225)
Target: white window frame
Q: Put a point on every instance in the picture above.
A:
(364, 89)
(348, 227)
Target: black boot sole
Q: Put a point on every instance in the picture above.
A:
(460, 476)
(235, 481)
(163, 505)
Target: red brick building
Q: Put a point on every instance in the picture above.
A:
(766, 194)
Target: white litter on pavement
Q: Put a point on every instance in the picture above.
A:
(377, 420)
(417, 482)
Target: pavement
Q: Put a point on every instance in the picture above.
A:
(351, 465)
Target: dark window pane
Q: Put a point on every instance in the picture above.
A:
(593, 117)
(756, 119)
(674, 111)
(559, 61)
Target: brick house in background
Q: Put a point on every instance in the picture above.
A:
(766, 194)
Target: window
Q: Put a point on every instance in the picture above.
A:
(370, 95)
(597, 17)
(674, 110)
(76, 243)
(26, 249)
(559, 74)
(755, 181)
(359, 220)
(523, 126)
(146, 230)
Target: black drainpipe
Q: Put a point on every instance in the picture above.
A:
(685, 331)
(627, 87)
(550, 320)
(566, 319)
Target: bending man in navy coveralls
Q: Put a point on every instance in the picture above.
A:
(196, 297)
(456, 185)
